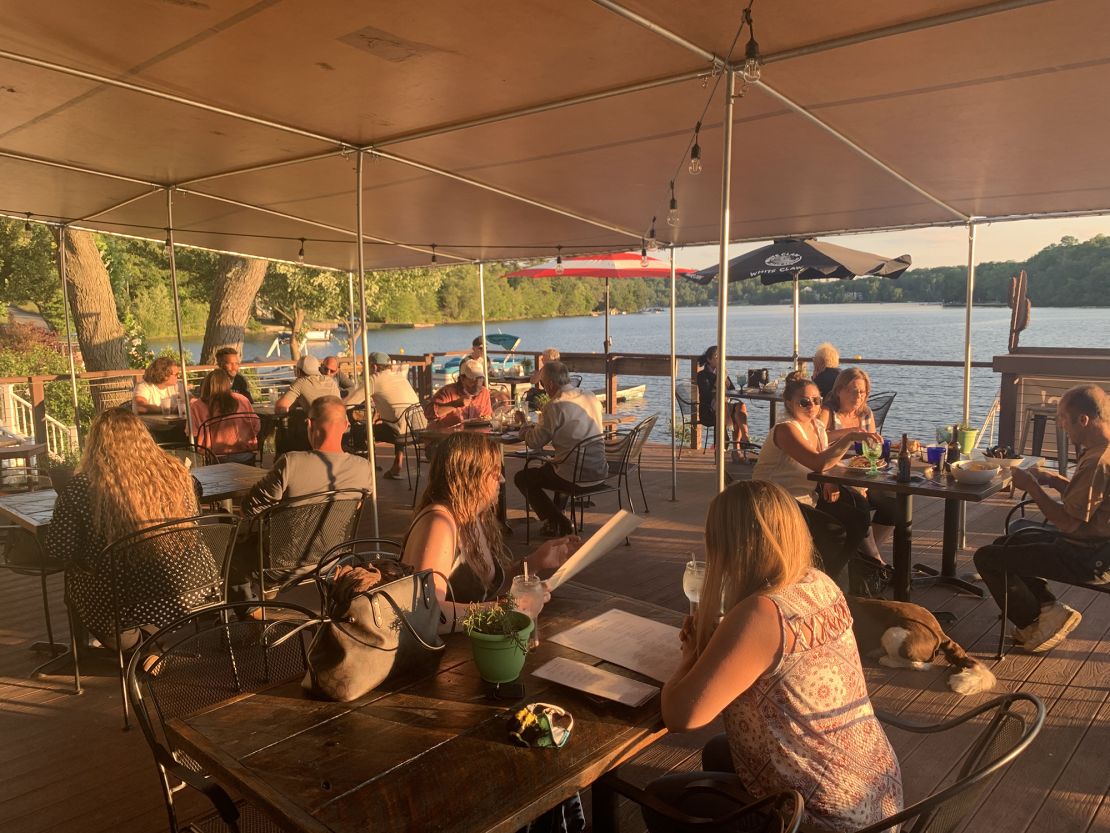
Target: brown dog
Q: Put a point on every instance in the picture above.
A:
(905, 635)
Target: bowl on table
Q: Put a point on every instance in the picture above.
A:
(1006, 463)
(975, 472)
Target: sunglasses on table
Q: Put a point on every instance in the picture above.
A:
(808, 402)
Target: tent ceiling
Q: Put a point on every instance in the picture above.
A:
(994, 115)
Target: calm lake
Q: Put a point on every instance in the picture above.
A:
(927, 397)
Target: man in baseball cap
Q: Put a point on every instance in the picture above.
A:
(309, 386)
(391, 395)
(468, 398)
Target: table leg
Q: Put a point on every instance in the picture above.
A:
(947, 573)
(903, 547)
(603, 808)
(774, 412)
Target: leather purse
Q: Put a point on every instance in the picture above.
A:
(368, 636)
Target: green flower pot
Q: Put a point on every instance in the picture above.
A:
(966, 438)
(500, 657)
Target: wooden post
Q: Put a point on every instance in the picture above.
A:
(38, 405)
(426, 376)
(1008, 403)
(611, 386)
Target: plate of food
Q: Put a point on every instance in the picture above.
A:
(861, 462)
(977, 472)
(915, 447)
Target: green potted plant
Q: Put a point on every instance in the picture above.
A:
(59, 468)
(966, 437)
(499, 638)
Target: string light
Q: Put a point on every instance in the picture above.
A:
(672, 213)
(652, 243)
(559, 261)
(752, 61)
(695, 153)
(433, 253)
(300, 252)
(27, 223)
(643, 254)
(168, 245)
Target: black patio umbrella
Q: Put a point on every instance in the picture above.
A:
(795, 259)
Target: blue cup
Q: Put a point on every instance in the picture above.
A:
(886, 450)
(857, 448)
(935, 455)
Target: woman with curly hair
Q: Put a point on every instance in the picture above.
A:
(159, 386)
(455, 530)
(124, 483)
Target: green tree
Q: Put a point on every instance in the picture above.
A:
(296, 292)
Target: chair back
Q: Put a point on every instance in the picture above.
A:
(24, 479)
(163, 571)
(685, 405)
(880, 403)
(591, 464)
(1013, 721)
(413, 420)
(357, 551)
(296, 533)
(191, 454)
(576, 380)
(293, 436)
(642, 435)
(230, 434)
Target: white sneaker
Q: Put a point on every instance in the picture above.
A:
(1050, 629)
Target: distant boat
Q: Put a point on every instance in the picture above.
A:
(312, 335)
(625, 394)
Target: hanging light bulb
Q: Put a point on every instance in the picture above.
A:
(433, 253)
(559, 261)
(27, 223)
(652, 243)
(752, 62)
(672, 213)
(300, 252)
(695, 153)
(643, 254)
(168, 245)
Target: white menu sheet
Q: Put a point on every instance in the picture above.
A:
(630, 641)
(611, 533)
(596, 681)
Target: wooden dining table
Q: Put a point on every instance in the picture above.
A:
(431, 753)
(771, 397)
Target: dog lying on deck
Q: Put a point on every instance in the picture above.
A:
(905, 635)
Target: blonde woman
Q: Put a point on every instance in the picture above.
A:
(123, 483)
(782, 668)
(455, 529)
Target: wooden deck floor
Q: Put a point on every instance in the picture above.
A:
(68, 766)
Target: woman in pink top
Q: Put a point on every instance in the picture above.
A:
(232, 440)
(782, 667)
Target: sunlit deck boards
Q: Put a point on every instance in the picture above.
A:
(68, 766)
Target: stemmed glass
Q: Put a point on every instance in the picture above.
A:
(692, 580)
(872, 452)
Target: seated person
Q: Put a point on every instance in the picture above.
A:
(298, 473)
(838, 519)
(571, 415)
(455, 530)
(308, 386)
(468, 398)
(826, 366)
(232, 440)
(1074, 544)
(391, 395)
(781, 666)
(159, 390)
(477, 350)
(101, 505)
(330, 367)
(227, 358)
(532, 396)
(737, 414)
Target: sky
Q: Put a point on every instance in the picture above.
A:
(1016, 240)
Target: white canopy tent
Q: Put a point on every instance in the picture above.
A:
(507, 129)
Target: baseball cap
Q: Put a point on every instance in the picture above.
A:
(472, 369)
(379, 358)
(310, 365)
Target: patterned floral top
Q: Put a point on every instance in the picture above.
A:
(807, 724)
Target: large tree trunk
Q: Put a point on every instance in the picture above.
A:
(95, 319)
(298, 332)
(236, 285)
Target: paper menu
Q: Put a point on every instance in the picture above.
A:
(630, 641)
(596, 681)
(612, 532)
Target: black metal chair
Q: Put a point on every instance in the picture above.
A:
(198, 662)
(583, 454)
(204, 436)
(576, 380)
(413, 421)
(686, 414)
(175, 564)
(359, 551)
(191, 454)
(18, 479)
(21, 553)
(624, 450)
(880, 403)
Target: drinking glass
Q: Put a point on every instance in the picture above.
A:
(692, 580)
(944, 434)
(530, 588)
(873, 452)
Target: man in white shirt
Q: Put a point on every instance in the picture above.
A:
(391, 395)
(572, 415)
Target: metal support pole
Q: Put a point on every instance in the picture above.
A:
(351, 322)
(610, 405)
(722, 285)
(177, 317)
(796, 303)
(967, 319)
(365, 345)
(62, 232)
(674, 388)
(482, 304)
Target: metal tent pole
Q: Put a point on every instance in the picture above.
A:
(62, 232)
(482, 303)
(796, 300)
(674, 388)
(351, 320)
(610, 406)
(722, 285)
(177, 316)
(365, 344)
(967, 319)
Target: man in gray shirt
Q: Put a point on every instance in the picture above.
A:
(309, 386)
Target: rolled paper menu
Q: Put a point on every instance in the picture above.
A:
(612, 532)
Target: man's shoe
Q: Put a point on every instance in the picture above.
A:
(1050, 629)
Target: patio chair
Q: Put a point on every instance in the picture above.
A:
(576, 380)
(413, 421)
(196, 663)
(880, 403)
(686, 414)
(583, 491)
(624, 450)
(205, 433)
(357, 551)
(191, 454)
(17, 479)
(145, 574)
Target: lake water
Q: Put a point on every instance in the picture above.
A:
(927, 396)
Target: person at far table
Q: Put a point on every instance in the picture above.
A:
(468, 398)
(826, 366)
(1073, 544)
(736, 412)
(330, 367)
(838, 519)
(531, 398)
(227, 358)
(782, 668)
(232, 440)
(308, 386)
(570, 416)
(477, 350)
(123, 483)
(326, 468)
(391, 395)
(159, 389)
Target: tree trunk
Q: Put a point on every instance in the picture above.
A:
(95, 319)
(236, 285)
(297, 332)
